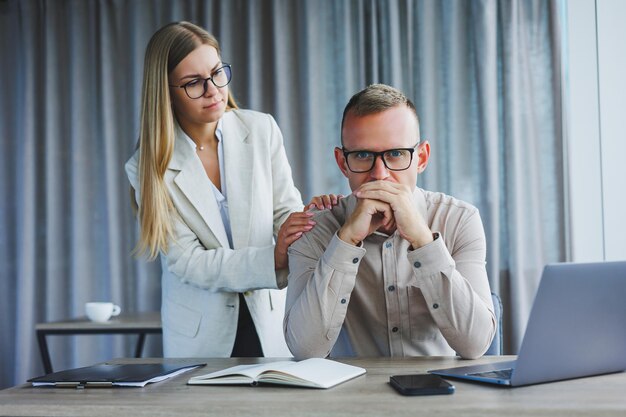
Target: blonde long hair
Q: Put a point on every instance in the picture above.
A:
(166, 49)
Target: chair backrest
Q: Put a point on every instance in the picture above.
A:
(496, 344)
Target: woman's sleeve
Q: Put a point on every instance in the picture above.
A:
(286, 197)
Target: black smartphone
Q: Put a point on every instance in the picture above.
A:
(421, 384)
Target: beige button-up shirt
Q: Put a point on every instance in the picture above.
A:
(384, 299)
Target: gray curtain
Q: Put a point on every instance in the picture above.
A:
(484, 75)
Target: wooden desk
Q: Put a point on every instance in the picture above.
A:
(134, 323)
(368, 395)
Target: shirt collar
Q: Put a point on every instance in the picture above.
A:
(218, 134)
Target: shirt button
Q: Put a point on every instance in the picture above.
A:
(395, 330)
(388, 244)
(435, 305)
(355, 260)
(343, 301)
(417, 264)
(391, 288)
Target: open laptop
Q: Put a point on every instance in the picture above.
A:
(577, 328)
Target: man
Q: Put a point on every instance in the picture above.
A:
(392, 270)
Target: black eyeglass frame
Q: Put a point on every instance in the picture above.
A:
(381, 154)
(205, 85)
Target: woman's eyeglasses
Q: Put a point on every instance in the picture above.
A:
(198, 87)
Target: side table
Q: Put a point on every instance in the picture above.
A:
(132, 323)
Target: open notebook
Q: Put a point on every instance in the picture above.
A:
(311, 373)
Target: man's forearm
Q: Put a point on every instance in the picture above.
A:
(457, 295)
(318, 296)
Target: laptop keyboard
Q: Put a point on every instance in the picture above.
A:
(499, 374)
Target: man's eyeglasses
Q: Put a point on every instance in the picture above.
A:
(397, 159)
(198, 87)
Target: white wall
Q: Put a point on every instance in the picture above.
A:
(595, 101)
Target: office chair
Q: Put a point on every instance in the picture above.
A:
(496, 344)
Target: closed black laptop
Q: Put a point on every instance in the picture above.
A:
(129, 375)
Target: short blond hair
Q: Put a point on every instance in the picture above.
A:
(376, 98)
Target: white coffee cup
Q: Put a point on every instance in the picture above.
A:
(101, 312)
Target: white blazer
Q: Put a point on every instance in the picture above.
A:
(202, 276)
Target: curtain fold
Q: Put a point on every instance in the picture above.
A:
(484, 75)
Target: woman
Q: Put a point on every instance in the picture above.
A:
(213, 186)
